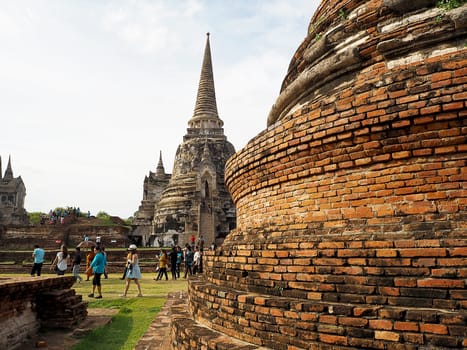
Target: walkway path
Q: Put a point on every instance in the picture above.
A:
(157, 336)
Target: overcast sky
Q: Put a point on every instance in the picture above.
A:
(91, 91)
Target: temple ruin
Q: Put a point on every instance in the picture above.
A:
(12, 194)
(351, 206)
(193, 200)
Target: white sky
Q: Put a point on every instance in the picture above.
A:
(91, 91)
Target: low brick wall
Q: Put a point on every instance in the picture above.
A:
(28, 304)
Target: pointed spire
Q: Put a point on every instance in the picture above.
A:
(160, 171)
(8, 171)
(205, 114)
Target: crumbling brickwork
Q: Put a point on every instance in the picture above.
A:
(28, 304)
(351, 205)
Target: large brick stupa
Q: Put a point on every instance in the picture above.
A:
(351, 205)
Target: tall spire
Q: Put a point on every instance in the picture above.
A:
(205, 114)
(8, 171)
(160, 171)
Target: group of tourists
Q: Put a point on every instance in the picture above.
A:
(190, 257)
(59, 215)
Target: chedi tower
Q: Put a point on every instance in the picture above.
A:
(12, 194)
(351, 206)
(194, 200)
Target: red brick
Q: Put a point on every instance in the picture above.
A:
(423, 252)
(430, 110)
(440, 283)
(380, 324)
(406, 326)
(333, 339)
(433, 328)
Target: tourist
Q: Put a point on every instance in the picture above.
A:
(188, 260)
(97, 266)
(127, 264)
(77, 264)
(61, 261)
(179, 260)
(38, 255)
(201, 242)
(89, 257)
(162, 266)
(192, 240)
(133, 271)
(196, 260)
(105, 270)
(173, 262)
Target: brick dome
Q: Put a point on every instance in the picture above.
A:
(351, 205)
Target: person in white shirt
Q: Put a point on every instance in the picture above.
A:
(196, 260)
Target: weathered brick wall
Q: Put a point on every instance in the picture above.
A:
(52, 236)
(351, 205)
(27, 304)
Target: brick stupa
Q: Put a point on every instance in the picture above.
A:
(351, 205)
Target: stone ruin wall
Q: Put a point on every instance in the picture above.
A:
(351, 205)
(29, 304)
(47, 236)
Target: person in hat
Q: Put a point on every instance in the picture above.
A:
(133, 271)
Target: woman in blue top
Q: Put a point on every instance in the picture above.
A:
(98, 266)
(133, 271)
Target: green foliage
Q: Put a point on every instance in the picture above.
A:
(35, 217)
(102, 215)
(450, 4)
(315, 25)
(342, 13)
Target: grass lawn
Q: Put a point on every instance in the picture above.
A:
(134, 315)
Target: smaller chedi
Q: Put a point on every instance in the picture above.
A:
(12, 194)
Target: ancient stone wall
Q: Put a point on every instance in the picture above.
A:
(52, 236)
(27, 304)
(351, 205)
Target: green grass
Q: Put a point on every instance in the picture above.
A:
(134, 315)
